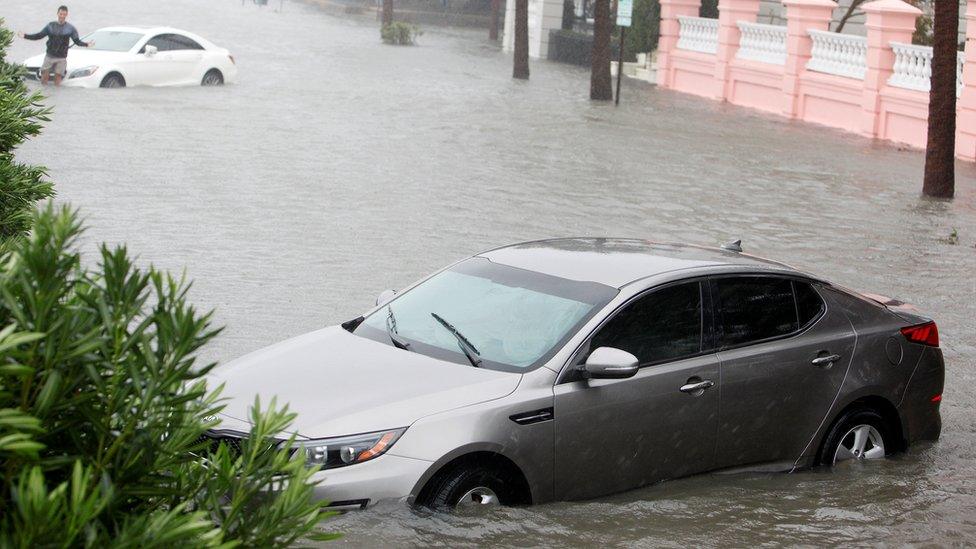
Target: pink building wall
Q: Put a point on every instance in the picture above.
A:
(868, 106)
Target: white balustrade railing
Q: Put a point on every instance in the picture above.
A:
(913, 67)
(698, 34)
(763, 43)
(840, 54)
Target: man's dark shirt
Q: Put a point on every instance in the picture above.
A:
(57, 38)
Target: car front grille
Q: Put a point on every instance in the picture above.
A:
(210, 441)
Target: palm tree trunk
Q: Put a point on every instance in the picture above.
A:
(940, 152)
(521, 67)
(600, 86)
(493, 23)
(387, 12)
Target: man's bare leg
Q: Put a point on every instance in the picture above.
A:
(44, 76)
(57, 79)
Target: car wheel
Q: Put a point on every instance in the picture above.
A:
(468, 486)
(212, 78)
(860, 434)
(113, 80)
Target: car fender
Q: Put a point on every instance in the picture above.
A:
(467, 449)
(488, 427)
(870, 391)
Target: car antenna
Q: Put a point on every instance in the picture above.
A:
(734, 246)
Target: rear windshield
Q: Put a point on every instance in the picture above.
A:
(113, 40)
(515, 319)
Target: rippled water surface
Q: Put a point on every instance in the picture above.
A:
(338, 167)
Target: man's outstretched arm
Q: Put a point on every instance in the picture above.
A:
(78, 41)
(37, 35)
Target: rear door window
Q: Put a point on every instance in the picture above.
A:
(809, 304)
(663, 325)
(172, 42)
(754, 308)
(183, 42)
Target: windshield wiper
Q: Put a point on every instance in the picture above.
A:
(467, 348)
(392, 330)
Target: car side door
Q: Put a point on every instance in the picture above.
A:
(784, 354)
(618, 434)
(187, 56)
(154, 69)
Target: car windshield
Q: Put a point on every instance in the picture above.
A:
(516, 319)
(113, 40)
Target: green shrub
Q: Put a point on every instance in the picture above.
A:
(102, 407)
(400, 33)
(645, 29)
(21, 115)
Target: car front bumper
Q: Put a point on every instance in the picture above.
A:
(356, 486)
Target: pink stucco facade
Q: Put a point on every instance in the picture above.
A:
(846, 87)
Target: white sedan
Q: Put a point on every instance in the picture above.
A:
(144, 56)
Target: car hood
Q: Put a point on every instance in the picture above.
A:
(341, 384)
(81, 57)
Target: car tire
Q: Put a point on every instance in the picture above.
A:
(212, 78)
(112, 80)
(469, 486)
(859, 434)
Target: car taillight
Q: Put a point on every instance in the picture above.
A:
(926, 334)
(231, 59)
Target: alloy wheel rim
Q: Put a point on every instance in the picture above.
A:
(480, 496)
(211, 80)
(861, 442)
(113, 83)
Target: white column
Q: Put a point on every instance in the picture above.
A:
(544, 15)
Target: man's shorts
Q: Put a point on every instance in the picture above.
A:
(55, 65)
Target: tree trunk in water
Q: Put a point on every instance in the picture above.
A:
(387, 12)
(521, 68)
(493, 24)
(600, 86)
(940, 152)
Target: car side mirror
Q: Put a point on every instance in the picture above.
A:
(385, 297)
(611, 363)
(151, 51)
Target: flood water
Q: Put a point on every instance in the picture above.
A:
(338, 167)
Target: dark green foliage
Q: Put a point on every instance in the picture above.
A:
(708, 8)
(102, 405)
(400, 33)
(21, 115)
(645, 29)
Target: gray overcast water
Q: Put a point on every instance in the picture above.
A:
(338, 167)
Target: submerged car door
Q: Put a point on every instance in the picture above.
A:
(153, 69)
(784, 355)
(186, 56)
(617, 434)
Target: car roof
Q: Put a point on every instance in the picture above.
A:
(141, 29)
(620, 261)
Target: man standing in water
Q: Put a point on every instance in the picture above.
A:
(58, 33)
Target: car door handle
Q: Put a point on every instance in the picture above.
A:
(698, 387)
(825, 360)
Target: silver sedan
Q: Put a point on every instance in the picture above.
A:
(574, 368)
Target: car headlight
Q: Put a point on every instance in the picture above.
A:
(83, 72)
(341, 451)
